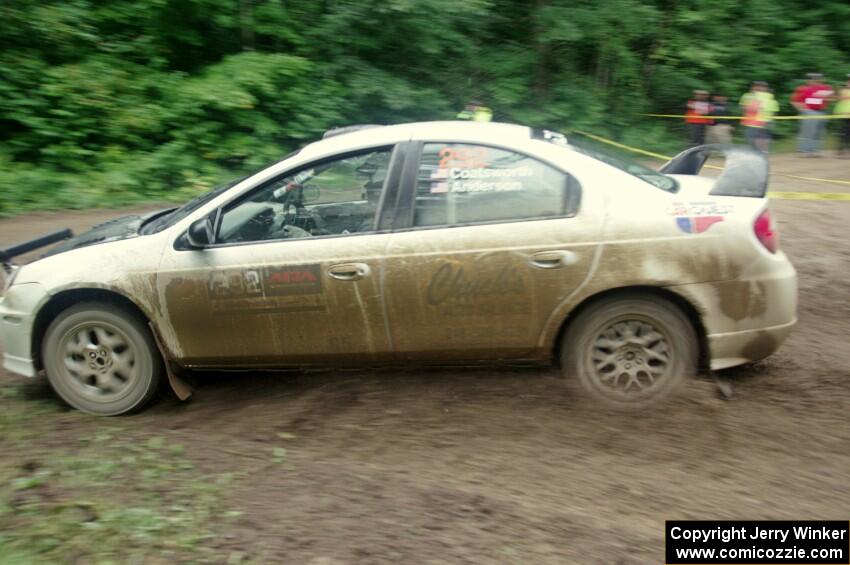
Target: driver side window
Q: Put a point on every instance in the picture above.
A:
(334, 197)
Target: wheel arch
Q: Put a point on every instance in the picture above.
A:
(683, 304)
(61, 301)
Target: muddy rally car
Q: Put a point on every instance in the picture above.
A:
(432, 243)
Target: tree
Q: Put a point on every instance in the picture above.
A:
(107, 101)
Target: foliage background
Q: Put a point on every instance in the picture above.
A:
(106, 102)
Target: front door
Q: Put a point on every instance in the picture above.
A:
(293, 278)
(496, 242)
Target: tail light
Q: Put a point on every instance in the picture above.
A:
(766, 232)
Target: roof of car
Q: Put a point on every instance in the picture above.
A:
(352, 137)
(451, 128)
(437, 129)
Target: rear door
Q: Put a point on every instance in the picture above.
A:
(492, 242)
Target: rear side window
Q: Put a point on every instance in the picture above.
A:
(461, 184)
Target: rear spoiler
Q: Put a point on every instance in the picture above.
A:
(7, 254)
(745, 173)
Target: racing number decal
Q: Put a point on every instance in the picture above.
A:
(267, 289)
(463, 157)
(268, 281)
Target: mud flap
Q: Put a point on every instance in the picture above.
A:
(724, 387)
(180, 387)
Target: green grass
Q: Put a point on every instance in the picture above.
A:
(75, 488)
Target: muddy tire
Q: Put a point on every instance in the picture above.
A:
(630, 350)
(101, 358)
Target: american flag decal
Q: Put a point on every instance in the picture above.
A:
(697, 224)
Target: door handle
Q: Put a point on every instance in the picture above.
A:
(553, 259)
(349, 271)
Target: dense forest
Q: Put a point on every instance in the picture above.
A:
(114, 101)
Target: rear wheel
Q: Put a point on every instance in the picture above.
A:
(630, 350)
(101, 358)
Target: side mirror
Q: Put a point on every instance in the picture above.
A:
(201, 233)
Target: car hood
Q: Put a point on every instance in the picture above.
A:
(113, 230)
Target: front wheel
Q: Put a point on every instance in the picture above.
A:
(101, 358)
(630, 350)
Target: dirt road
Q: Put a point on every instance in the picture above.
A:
(505, 465)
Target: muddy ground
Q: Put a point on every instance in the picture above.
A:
(505, 465)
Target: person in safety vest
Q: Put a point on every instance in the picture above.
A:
(811, 99)
(477, 112)
(697, 116)
(758, 107)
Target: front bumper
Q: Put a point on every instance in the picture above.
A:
(17, 316)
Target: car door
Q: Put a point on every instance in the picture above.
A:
(292, 277)
(493, 242)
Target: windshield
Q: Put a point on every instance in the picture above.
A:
(159, 223)
(625, 164)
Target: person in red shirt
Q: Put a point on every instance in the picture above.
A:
(697, 116)
(811, 99)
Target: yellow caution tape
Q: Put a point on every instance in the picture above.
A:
(788, 195)
(773, 194)
(682, 117)
(814, 179)
(622, 146)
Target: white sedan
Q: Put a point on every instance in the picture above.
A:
(429, 243)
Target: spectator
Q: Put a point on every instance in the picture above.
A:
(843, 108)
(758, 107)
(720, 131)
(697, 116)
(810, 100)
(477, 112)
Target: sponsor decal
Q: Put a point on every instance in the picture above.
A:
(697, 217)
(482, 300)
(451, 282)
(287, 281)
